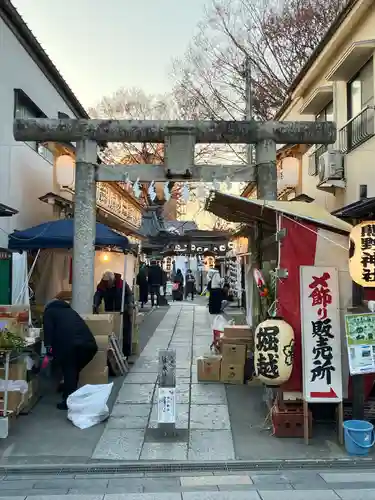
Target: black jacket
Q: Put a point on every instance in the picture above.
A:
(155, 275)
(112, 298)
(64, 329)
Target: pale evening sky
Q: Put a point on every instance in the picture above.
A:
(100, 46)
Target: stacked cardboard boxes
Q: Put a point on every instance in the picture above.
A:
(233, 364)
(101, 326)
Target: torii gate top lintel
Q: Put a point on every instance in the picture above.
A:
(224, 132)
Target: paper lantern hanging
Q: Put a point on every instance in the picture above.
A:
(65, 170)
(274, 351)
(362, 254)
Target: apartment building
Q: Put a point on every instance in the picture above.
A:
(337, 84)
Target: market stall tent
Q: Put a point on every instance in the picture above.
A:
(59, 234)
(55, 240)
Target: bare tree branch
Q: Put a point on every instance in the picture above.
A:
(278, 37)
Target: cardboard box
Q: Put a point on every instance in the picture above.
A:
(238, 331)
(98, 363)
(233, 354)
(208, 368)
(93, 378)
(102, 341)
(99, 324)
(232, 374)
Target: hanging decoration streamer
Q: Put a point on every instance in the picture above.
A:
(167, 193)
(216, 185)
(137, 189)
(128, 181)
(185, 192)
(201, 190)
(151, 191)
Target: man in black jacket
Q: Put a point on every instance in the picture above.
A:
(155, 281)
(72, 343)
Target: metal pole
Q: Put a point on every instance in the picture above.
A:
(84, 227)
(249, 116)
(266, 170)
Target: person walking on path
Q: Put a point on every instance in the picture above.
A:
(70, 342)
(142, 282)
(178, 286)
(216, 292)
(190, 284)
(155, 280)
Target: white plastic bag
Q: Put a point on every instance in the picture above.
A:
(88, 405)
(218, 324)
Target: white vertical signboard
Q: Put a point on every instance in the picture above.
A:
(321, 343)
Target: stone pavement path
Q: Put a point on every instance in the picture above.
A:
(287, 485)
(201, 408)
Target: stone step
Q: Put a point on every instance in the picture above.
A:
(290, 485)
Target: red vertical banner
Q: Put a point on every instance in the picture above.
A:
(296, 249)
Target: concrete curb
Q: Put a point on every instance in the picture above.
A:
(106, 467)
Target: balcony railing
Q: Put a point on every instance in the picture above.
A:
(314, 159)
(358, 130)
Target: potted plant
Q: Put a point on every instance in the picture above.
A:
(10, 341)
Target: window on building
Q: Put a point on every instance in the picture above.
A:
(326, 114)
(25, 108)
(361, 90)
(360, 126)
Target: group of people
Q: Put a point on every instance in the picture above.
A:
(150, 279)
(68, 339)
(153, 279)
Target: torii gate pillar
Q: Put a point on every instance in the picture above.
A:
(179, 138)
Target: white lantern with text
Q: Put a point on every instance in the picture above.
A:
(362, 254)
(274, 351)
(65, 170)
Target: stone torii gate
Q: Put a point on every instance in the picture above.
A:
(179, 138)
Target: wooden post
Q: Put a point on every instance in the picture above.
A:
(167, 392)
(306, 429)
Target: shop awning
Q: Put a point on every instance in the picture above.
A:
(59, 234)
(362, 209)
(237, 209)
(6, 211)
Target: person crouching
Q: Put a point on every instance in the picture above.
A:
(72, 344)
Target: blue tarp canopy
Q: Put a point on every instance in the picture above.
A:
(59, 234)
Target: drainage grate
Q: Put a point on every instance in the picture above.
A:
(166, 467)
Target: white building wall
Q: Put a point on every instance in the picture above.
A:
(24, 174)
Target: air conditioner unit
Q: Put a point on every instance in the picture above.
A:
(331, 167)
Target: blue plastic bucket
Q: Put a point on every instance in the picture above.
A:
(359, 437)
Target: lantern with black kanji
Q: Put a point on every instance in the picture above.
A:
(274, 351)
(362, 254)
